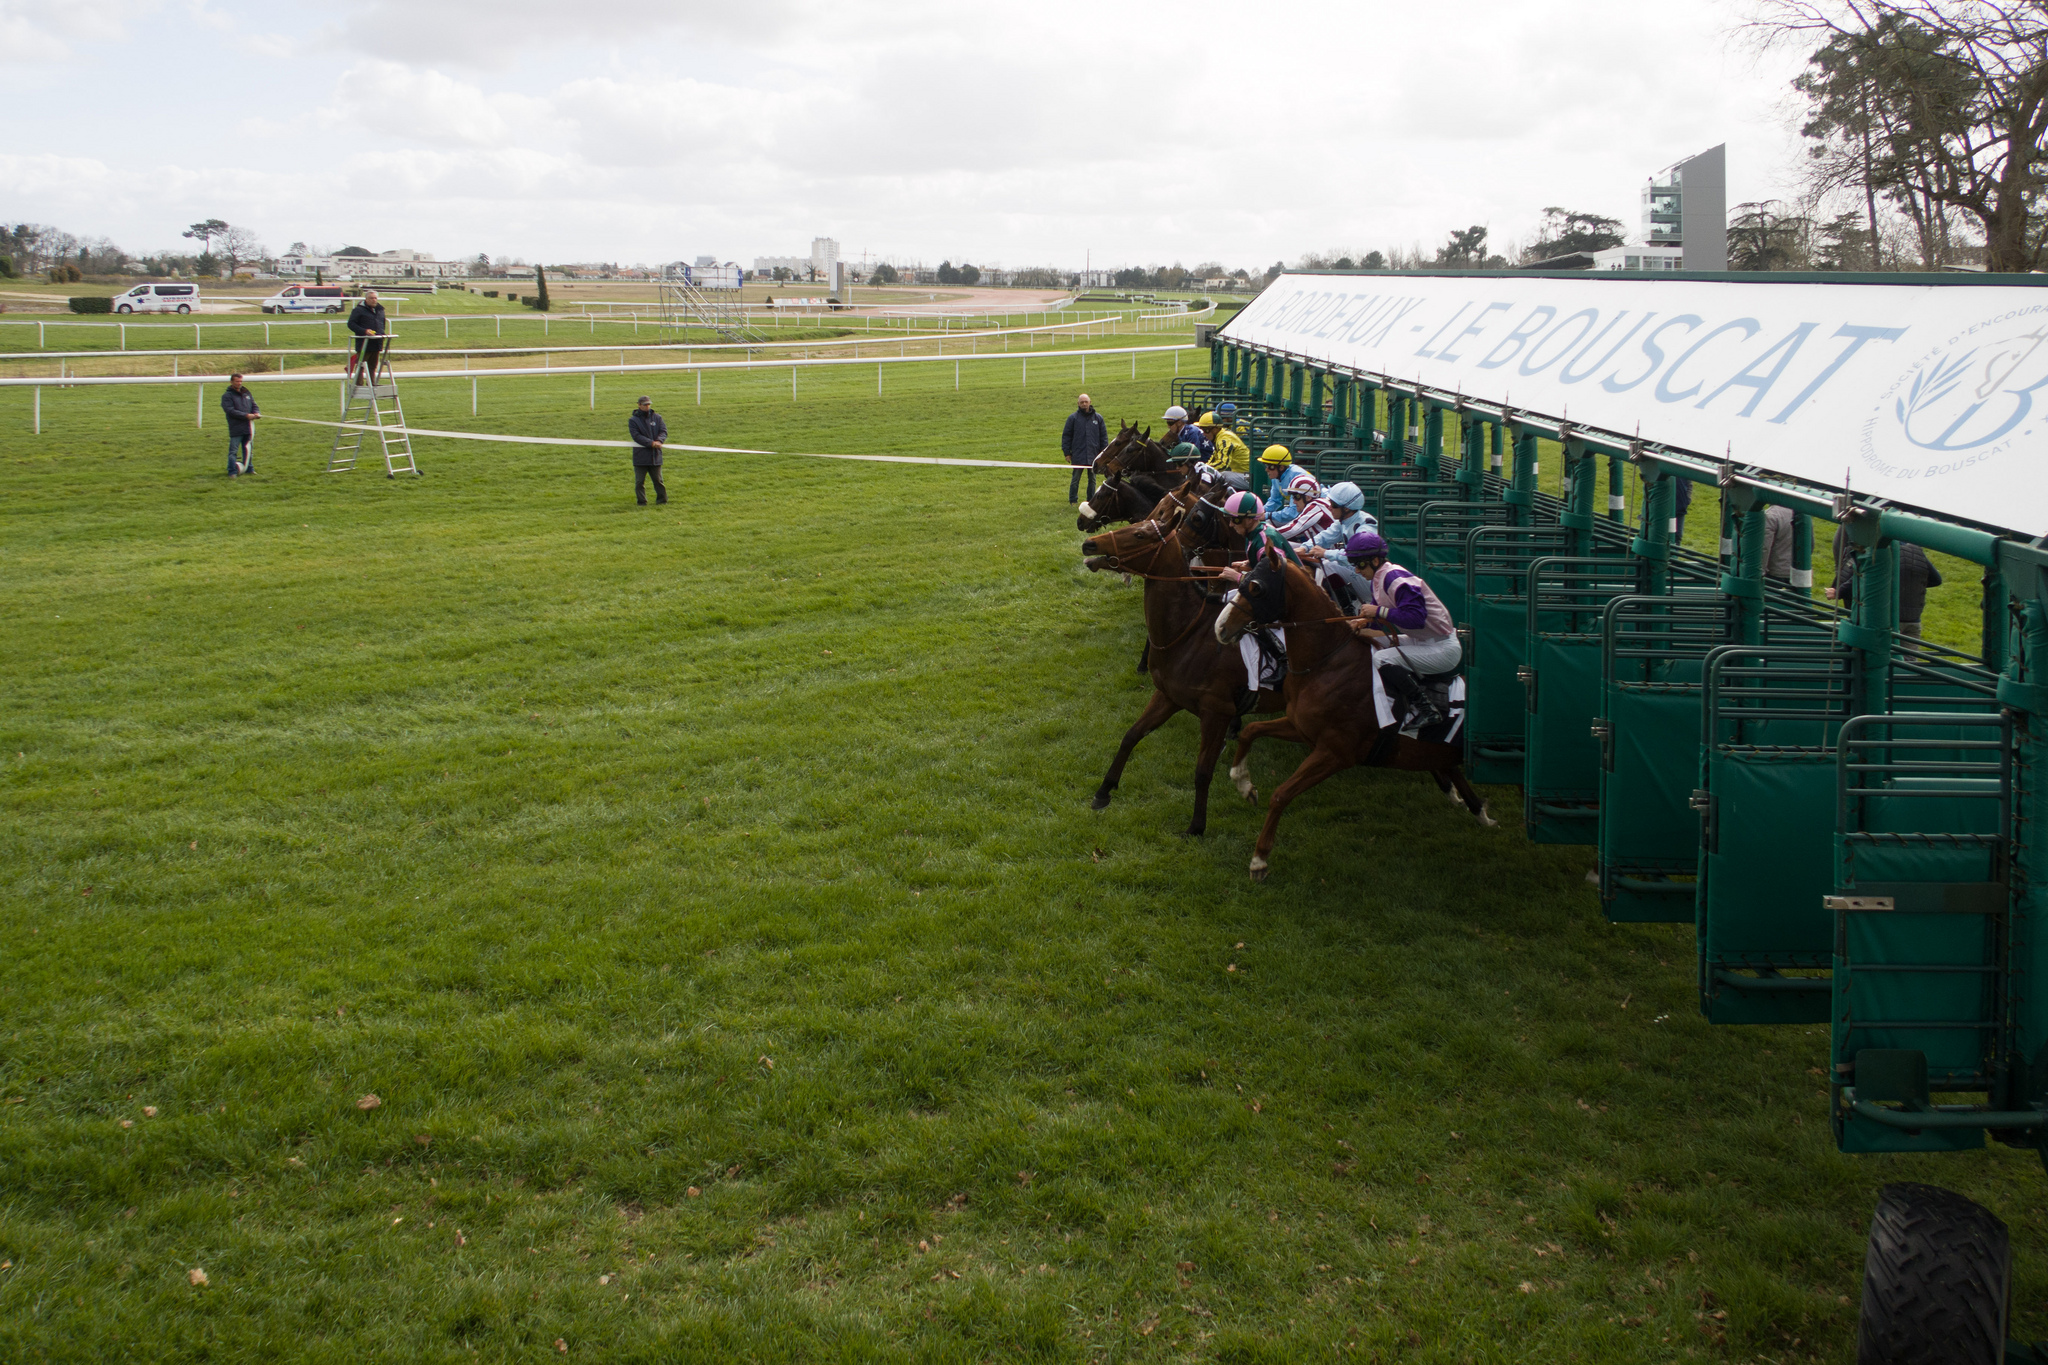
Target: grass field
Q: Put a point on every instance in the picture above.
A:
(710, 897)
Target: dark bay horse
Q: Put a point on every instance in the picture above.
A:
(1190, 669)
(1328, 696)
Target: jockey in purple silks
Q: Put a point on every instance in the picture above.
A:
(1410, 630)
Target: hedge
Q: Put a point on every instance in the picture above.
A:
(93, 303)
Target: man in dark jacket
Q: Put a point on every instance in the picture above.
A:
(367, 321)
(649, 434)
(240, 406)
(1916, 575)
(1083, 438)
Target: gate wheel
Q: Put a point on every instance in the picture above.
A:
(1935, 1279)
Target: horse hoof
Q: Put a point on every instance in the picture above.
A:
(1456, 799)
(1487, 820)
(1101, 801)
(1259, 869)
(1241, 776)
(1194, 831)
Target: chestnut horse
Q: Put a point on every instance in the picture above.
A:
(1191, 670)
(1328, 697)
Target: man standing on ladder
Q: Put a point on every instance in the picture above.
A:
(367, 321)
(649, 434)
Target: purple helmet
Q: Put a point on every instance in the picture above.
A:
(1365, 545)
(1242, 505)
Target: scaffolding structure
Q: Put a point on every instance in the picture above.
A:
(684, 303)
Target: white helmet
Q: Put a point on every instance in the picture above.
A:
(1346, 496)
(1176, 413)
(1304, 485)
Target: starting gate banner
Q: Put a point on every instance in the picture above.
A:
(1932, 396)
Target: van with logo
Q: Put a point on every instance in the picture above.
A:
(305, 298)
(158, 298)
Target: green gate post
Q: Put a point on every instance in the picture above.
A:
(1340, 412)
(1316, 386)
(1617, 484)
(1432, 442)
(1874, 615)
(2027, 948)
(1579, 479)
(1997, 619)
(1499, 439)
(1215, 361)
(1368, 412)
(1522, 493)
(1745, 581)
(1802, 553)
(1294, 378)
(1397, 423)
(1259, 367)
(1472, 456)
(1653, 545)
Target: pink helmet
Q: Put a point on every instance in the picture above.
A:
(1242, 505)
(1304, 485)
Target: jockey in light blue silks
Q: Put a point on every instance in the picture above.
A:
(1411, 632)
(1348, 502)
(1282, 470)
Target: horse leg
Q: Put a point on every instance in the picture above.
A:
(1470, 796)
(1443, 784)
(1156, 713)
(1317, 766)
(1240, 766)
(1205, 768)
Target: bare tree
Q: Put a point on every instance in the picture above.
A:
(1934, 104)
(238, 245)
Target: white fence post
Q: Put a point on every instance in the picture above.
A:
(199, 409)
(472, 398)
(39, 411)
(593, 390)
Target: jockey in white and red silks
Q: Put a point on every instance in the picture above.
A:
(1312, 511)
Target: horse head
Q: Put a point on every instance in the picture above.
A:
(1261, 599)
(1148, 547)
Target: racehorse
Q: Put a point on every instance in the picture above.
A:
(1122, 497)
(1190, 670)
(1329, 700)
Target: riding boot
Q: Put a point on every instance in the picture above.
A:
(1414, 701)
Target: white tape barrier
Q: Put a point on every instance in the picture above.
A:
(670, 445)
(561, 371)
(747, 346)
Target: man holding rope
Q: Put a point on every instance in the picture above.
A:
(367, 321)
(240, 407)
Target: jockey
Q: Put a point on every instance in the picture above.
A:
(1348, 503)
(1312, 512)
(1243, 515)
(1232, 454)
(1281, 469)
(1179, 429)
(1410, 630)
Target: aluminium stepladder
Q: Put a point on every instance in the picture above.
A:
(372, 406)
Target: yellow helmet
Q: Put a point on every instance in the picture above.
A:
(1275, 455)
(1207, 419)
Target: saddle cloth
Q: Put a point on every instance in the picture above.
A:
(1449, 691)
(1264, 653)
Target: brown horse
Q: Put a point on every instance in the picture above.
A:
(1328, 697)
(1191, 670)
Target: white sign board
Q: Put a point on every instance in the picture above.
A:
(1935, 397)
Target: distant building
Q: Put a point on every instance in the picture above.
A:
(1686, 206)
(1630, 258)
(824, 260)
(401, 264)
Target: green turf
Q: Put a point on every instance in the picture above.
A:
(553, 822)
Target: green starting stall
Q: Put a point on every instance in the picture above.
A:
(1843, 810)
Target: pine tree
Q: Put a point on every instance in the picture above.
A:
(540, 278)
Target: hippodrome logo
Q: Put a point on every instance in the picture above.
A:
(1975, 396)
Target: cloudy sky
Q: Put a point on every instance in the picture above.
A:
(652, 130)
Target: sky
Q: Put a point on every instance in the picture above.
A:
(1056, 133)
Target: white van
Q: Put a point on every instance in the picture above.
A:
(158, 298)
(305, 298)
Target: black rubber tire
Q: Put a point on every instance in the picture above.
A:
(1935, 1281)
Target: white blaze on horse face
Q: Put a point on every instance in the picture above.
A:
(1088, 511)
